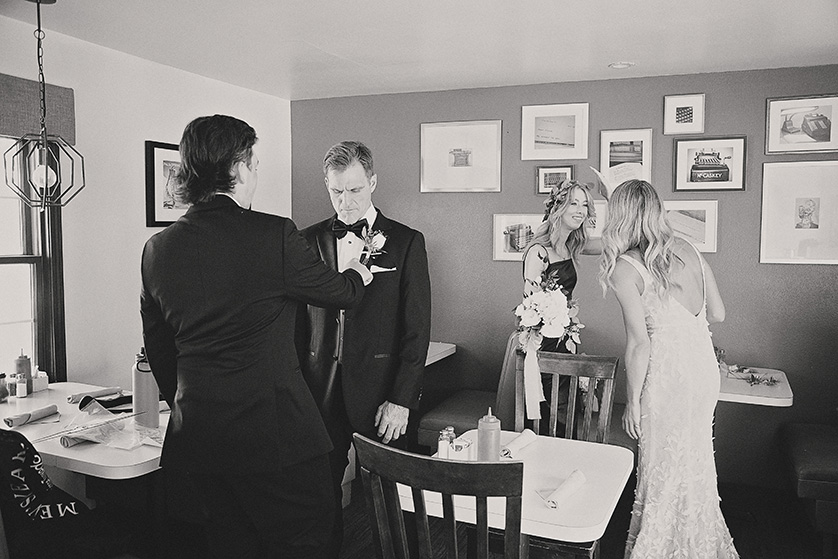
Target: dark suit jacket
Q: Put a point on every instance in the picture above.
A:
(218, 306)
(386, 336)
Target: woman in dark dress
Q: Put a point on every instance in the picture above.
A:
(556, 245)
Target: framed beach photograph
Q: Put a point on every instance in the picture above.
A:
(548, 177)
(799, 213)
(695, 220)
(626, 154)
(162, 162)
(683, 114)
(709, 163)
(596, 224)
(460, 156)
(512, 233)
(554, 131)
(801, 124)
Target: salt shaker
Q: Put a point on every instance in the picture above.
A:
(488, 438)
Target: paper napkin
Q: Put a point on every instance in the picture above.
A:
(30, 417)
(516, 445)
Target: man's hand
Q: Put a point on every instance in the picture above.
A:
(365, 273)
(391, 420)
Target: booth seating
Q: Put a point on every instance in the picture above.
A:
(811, 456)
(464, 408)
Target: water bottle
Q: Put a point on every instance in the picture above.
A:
(488, 438)
(146, 394)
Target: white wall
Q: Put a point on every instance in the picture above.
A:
(122, 101)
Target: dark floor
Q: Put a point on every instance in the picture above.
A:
(765, 524)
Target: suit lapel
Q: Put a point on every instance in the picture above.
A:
(327, 244)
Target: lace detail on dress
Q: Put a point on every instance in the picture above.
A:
(676, 510)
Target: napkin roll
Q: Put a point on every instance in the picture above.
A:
(76, 398)
(29, 417)
(516, 445)
(568, 487)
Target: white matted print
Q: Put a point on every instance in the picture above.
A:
(460, 156)
(683, 114)
(548, 177)
(799, 213)
(801, 124)
(709, 163)
(595, 224)
(695, 220)
(512, 233)
(554, 131)
(626, 149)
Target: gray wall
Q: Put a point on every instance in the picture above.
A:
(779, 316)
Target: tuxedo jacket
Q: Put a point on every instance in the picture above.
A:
(386, 335)
(219, 301)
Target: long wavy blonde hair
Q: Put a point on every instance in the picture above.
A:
(547, 232)
(637, 220)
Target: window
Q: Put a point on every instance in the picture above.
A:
(31, 284)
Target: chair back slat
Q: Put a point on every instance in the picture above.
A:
(382, 467)
(581, 421)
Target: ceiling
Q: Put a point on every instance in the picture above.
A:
(305, 49)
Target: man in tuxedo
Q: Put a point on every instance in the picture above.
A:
(365, 365)
(219, 299)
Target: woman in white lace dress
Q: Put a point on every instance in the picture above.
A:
(668, 296)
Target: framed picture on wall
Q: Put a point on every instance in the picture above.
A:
(683, 114)
(596, 223)
(709, 163)
(799, 213)
(801, 124)
(162, 162)
(695, 220)
(512, 233)
(626, 154)
(460, 156)
(554, 131)
(548, 177)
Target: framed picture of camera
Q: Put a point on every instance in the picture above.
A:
(709, 163)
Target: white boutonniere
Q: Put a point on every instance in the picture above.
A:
(373, 246)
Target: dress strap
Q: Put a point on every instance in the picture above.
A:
(703, 276)
(641, 269)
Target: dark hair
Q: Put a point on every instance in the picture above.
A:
(343, 155)
(209, 148)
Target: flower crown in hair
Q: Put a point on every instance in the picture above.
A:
(558, 194)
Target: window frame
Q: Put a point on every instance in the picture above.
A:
(44, 252)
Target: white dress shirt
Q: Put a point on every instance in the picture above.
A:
(350, 246)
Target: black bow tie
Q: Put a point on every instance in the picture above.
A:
(340, 229)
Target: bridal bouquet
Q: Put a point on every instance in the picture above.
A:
(546, 312)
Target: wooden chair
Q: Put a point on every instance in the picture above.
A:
(600, 371)
(382, 467)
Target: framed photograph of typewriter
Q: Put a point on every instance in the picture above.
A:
(709, 163)
(801, 124)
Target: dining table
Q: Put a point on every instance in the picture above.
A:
(757, 385)
(87, 458)
(548, 461)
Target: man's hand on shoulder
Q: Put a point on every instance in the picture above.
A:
(391, 420)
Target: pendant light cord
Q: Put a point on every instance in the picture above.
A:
(42, 87)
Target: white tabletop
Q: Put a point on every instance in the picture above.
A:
(85, 458)
(439, 350)
(741, 391)
(582, 517)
